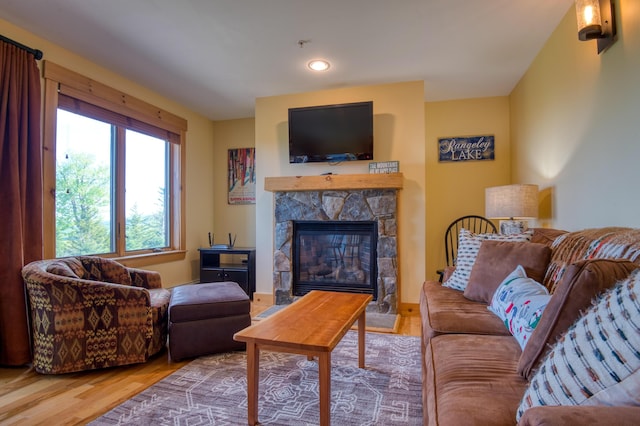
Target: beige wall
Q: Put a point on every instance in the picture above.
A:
(576, 126)
(571, 126)
(457, 189)
(399, 135)
(240, 220)
(199, 173)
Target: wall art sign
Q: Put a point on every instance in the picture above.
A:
(384, 167)
(466, 148)
(242, 176)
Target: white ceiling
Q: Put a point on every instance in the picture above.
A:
(217, 56)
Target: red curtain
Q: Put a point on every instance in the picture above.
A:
(20, 195)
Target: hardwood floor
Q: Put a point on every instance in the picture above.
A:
(29, 398)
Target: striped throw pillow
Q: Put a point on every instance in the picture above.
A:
(596, 361)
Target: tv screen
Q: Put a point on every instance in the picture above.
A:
(331, 133)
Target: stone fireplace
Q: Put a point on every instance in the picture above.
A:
(371, 201)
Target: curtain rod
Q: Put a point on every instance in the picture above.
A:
(35, 52)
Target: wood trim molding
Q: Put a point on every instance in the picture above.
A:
(88, 90)
(333, 182)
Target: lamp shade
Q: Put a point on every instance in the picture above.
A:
(512, 202)
(589, 19)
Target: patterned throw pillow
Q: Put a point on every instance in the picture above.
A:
(519, 302)
(468, 247)
(596, 361)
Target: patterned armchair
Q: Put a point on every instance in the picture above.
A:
(90, 312)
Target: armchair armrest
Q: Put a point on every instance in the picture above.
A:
(580, 415)
(145, 279)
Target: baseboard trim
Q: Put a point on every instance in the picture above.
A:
(408, 309)
(265, 299)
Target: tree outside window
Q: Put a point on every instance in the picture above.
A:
(87, 189)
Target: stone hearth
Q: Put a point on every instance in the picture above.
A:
(339, 205)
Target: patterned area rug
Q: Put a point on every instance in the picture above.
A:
(212, 390)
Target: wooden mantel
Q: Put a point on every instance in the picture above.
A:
(333, 182)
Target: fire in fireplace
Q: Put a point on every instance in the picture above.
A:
(334, 256)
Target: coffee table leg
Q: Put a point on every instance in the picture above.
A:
(361, 333)
(324, 373)
(253, 378)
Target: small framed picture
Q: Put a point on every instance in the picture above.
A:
(384, 167)
(242, 176)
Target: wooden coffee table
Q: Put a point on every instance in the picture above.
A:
(312, 326)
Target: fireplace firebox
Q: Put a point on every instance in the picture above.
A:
(334, 256)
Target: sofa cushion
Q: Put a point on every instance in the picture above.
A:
(583, 281)
(519, 302)
(471, 380)
(599, 243)
(468, 247)
(596, 361)
(497, 259)
(444, 310)
(581, 416)
(546, 236)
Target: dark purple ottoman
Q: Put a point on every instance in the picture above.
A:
(204, 317)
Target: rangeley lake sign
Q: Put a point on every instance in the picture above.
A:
(466, 148)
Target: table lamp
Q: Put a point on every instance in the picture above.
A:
(513, 204)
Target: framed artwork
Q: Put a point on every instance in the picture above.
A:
(242, 176)
(466, 148)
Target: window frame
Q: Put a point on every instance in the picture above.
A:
(137, 115)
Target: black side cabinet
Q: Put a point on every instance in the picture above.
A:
(241, 270)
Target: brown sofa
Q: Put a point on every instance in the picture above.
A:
(90, 312)
(474, 370)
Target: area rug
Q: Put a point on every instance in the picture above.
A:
(212, 390)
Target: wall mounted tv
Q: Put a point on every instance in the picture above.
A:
(331, 133)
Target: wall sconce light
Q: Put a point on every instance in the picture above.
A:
(596, 20)
(512, 202)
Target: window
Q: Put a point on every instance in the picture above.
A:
(114, 173)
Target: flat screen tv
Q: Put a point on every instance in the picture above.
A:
(331, 133)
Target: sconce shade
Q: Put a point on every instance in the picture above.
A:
(596, 20)
(589, 19)
(518, 201)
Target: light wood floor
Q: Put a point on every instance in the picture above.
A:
(29, 398)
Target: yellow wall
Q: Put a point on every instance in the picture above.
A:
(240, 220)
(457, 189)
(576, 126)
(399, 135)
(570, 125)
(199, 173)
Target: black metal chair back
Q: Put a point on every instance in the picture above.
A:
(473, 223)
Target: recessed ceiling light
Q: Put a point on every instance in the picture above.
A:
(318, 65)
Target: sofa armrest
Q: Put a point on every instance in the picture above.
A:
(144, 278)
(580, 415)
(447, 272)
